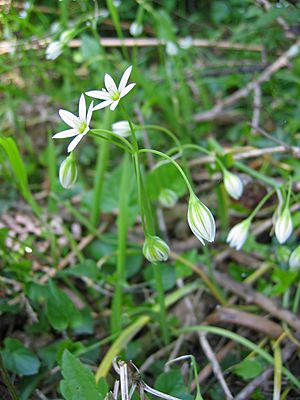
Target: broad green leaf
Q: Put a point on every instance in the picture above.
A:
(18, 359)
(61, 312)
(248, 369)
(79, 382)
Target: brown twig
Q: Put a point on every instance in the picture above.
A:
(241, 318)
(279, 63)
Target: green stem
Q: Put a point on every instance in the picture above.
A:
(260, 204)
(161, 301)
(296, 299)
(101, 167)
(128, 146)
(116, 318)
(164, 130)
(163, 155)
(256, 174)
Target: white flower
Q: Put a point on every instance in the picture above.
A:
(284, 226)
(186, 42)
(68, 172)
(294, 260)
(201, 220)
(238, 234)
(54, 50)
(155, 249)
(233, 184)
(171, 48)
(121, 128)
(79, 125)
(168, 198)
(112, 94)
(135, 28)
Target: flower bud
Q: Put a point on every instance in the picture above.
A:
(233, 185)
(136, 29)
(54, 50)
(294, 261)
(171, 48)
(68, 172)
(283, 226)
(155, 249)
(121, 128)
(237, 235)
(201, 220)
(168, 198)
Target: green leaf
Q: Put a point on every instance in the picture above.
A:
(79, 382)
(18, 359)
(248, 369)
(61, 312)
(172, 383)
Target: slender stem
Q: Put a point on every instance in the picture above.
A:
(164, 130)
(297, 298)
(260, 204)
(163, 155)
(116, 318)
(161, 301)
(102, 162)
(106, 131)
(257, 175)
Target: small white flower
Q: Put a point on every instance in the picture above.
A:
(284, 226)
(171, 49)
(238, 234)
(278, 210)
(54, 50)
(135, 28)
(168, 198)
(294, 261)
(121, 128)
(233, 184)
(112, 94)
(186, 42)
(79, 125)
(155, 249)
(68, 172)
(201, 220)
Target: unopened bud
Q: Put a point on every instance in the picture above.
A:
(201, 220)
(168, 198)
(68, 172)
(237, 236)
(294, 261)
(233, 185)
(136, 28)
(284, 226)
(155, 249)
(121, 128)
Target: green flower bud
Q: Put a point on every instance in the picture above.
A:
(168, 198)
(155, 249)
(284, 226)
(233, 185)
(294, 261)
(68, 172)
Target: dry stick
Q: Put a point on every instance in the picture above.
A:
(245, 292)
(281, 21)
(281, 62)
(287, 352)
(252, 321)
(256, 107)
(7, 46)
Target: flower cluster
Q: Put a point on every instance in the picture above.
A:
(80, 125)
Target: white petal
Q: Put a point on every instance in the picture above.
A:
(69, 118)
(89, 113)
(74, 143)
(65, 134)
(114, 105)
(110, 84)
(127, 89)
(98, 94)
(103, 104)
(82, 108)
(124, 79)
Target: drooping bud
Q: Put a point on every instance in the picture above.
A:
(237, 235)
(201, 220)
(171, 48)
(68, 172)
(284, 226)
(168, 198)
(233, 184)
(135, 29)
(121, 128)
(294, 261)
(155, 249)
(54, 50)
